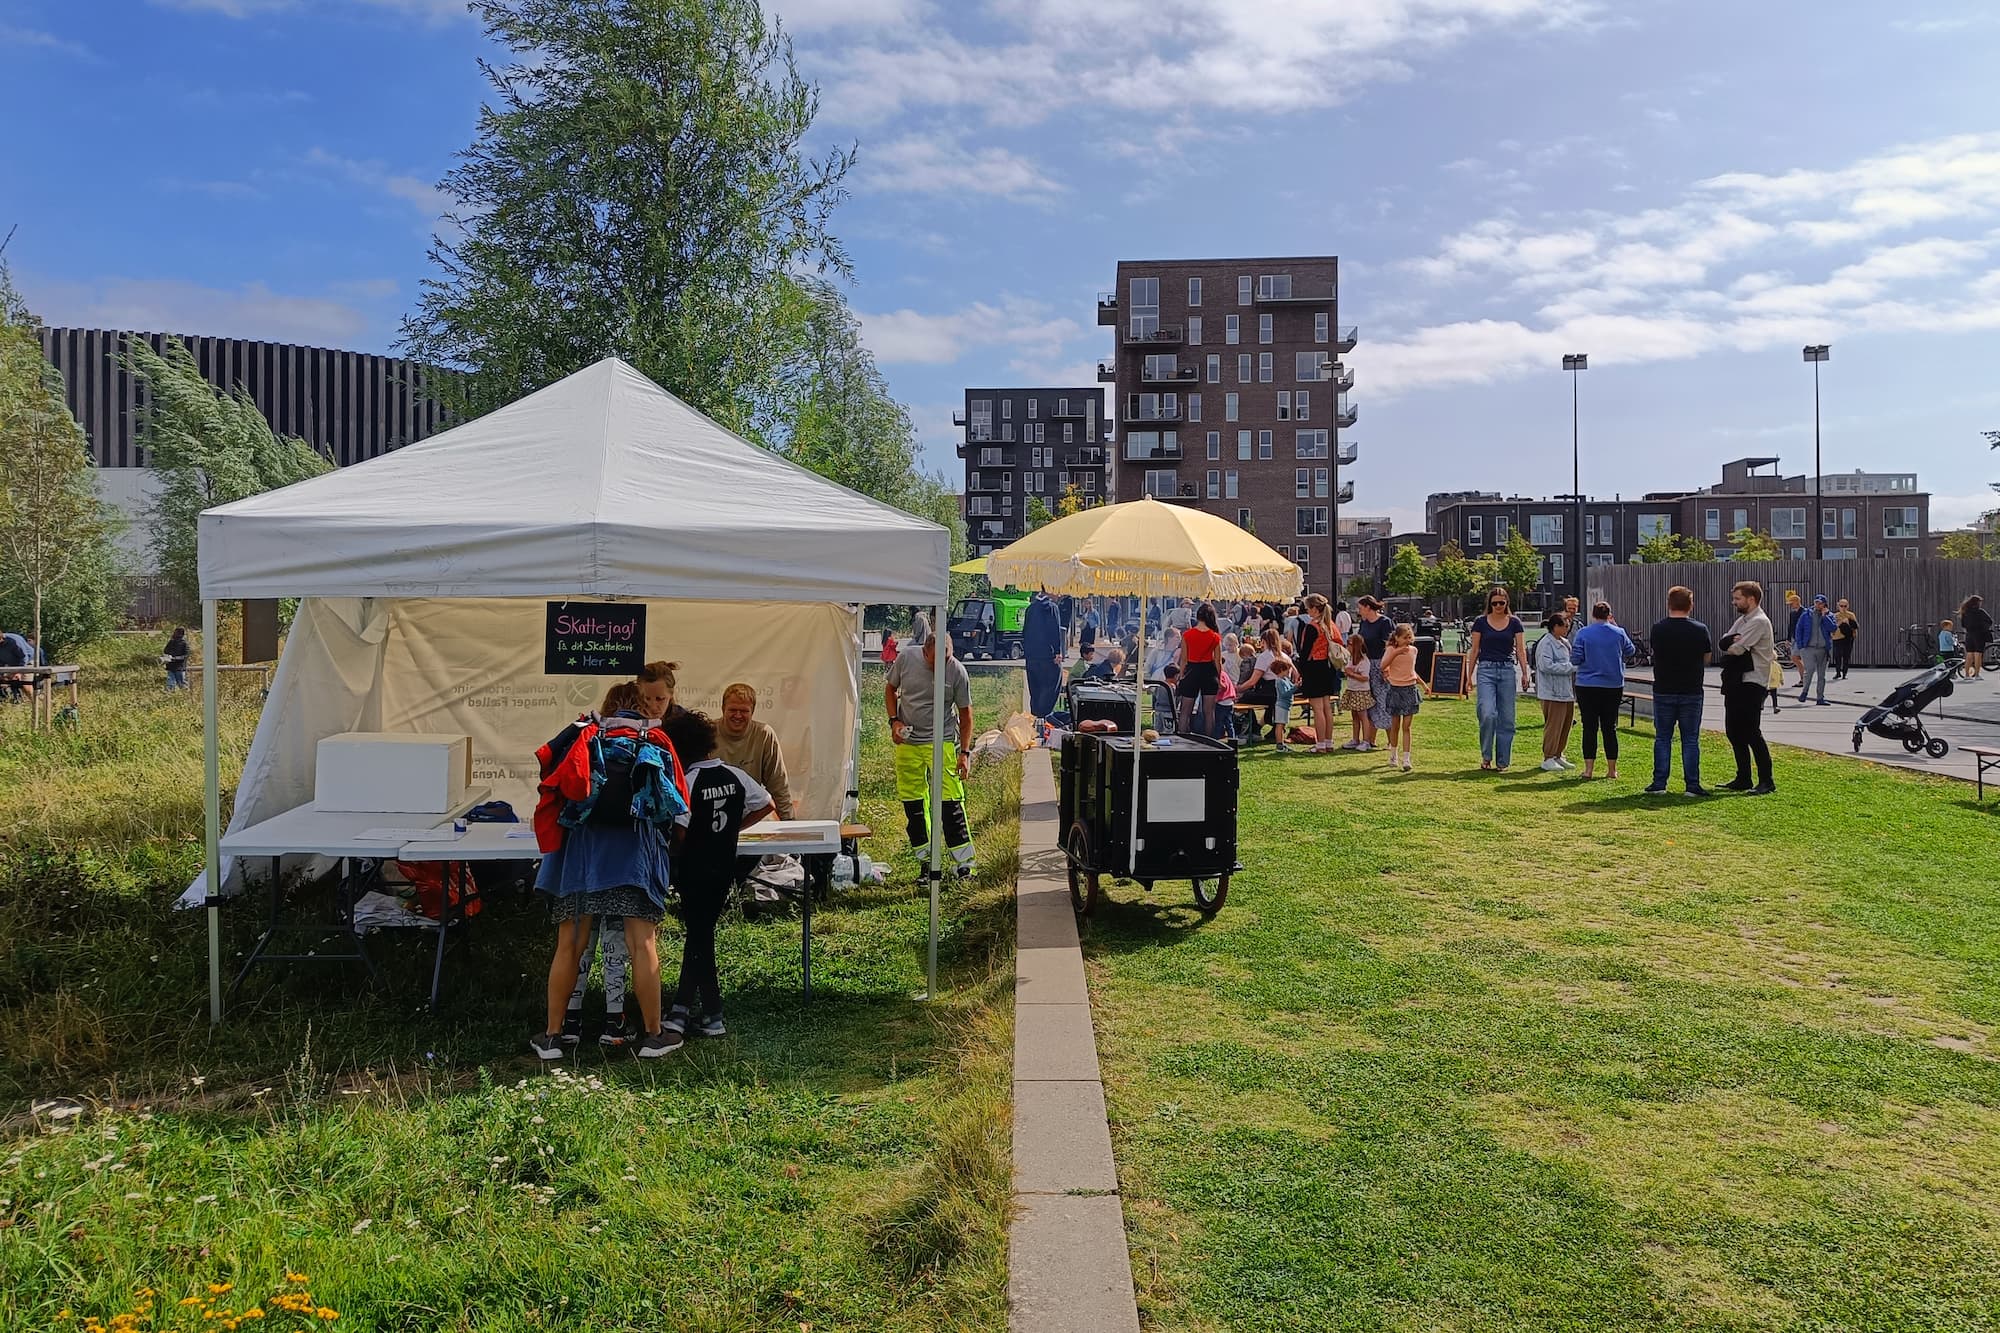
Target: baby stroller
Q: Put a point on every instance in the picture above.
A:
(1900, 716)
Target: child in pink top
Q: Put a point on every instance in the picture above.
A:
(1399, 669)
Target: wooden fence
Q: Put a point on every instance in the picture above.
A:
(1887, 595)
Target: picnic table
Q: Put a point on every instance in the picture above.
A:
(44, 701)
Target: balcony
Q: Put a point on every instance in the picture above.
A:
(1347, 452)
(1152, 453)
(1345, 494)
(1186, 492)
(1136, 416)
(1107, 308)
(958, 416)
(1345, 337)
(1345, 414)
(1300, 294)
(1180, 375)
(1083, 458)
(1166, 335)
(1341, 378)
(995, 458)
(1107, 372)
(1077, 409)
(990, 481)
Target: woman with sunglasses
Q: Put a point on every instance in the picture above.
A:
(1500, 651)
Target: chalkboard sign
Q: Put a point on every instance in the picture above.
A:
(594, 639)
(1448, 674)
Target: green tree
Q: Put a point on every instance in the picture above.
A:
(1754, 547)
(1961, 546)
(1406, 573)
(1449, 578)
(54, 532)
(208, 448)
(1070, 501)
(1483, 571)
(1669, 548)
(1520, 566)
(637, 187)
(1360, 586)
(1038, 513)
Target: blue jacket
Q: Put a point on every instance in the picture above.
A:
(1600, 651)
(1041, 630)
(1802, 632)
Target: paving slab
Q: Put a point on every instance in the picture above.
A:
(1060, 1143)
(1069, 1269)
(1054, 1041)
(1051, 975)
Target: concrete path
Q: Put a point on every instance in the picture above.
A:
(1069, 1269)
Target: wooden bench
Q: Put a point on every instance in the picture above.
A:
(851, 838)
(1986, 757)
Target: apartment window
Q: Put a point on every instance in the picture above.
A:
(1006, 408)
(1264, 328)
(1790, 522)
(1007, 432)
(1847, 524)
(1842, 552)
(1232, 329)
(1229, 403)
(1299, 554)
(1243, 367)
(1829, 524)
(1599, 560)
(1900, 521)
(1243, 445)
(1263, 367)
(1160, 366)
(1162, 482)
(1142, 444)
(1322, 483)
(993, 458)
(1306, 366)
(1090, 481)
(1475, 530)
(1214, 369)
(1194, 291)
(1214, 445)
(1243, 521)
(1274, 286)
(1215, 483)
(1229, 484)
(1194, 407)
(1302, 405)
(1062, 481)
(1546, 530)
(1069, 432)
(1302, 483)
(982, 419)
(1909, 553)
(1500, 527)
(1145, 307)
(1312, 521)
(1194, 330)
(1309, 444)
(1007, 482)
(1264, 444)
(1320, 322)
(1650, 526)
(1284, 405)
(1556, 570)
(1030, 482)
(1711, 524)
(1742, 520)
(1798, 553)
(1243, 290)
(1034, 408)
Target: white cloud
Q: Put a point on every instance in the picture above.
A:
(159, 305)
(919, 165)
(1024, 330)
(1718, 270)
(404, 187)
(818, 15)
(1156, 56)
(11, 35)
(434, 11)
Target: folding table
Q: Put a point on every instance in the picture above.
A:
(307, 830)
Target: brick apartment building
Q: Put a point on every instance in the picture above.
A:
(1864, 515)
(1229, 395)
(1357, 550)
(1028, 443)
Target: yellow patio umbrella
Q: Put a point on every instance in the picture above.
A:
(970, 566)
(1146, 549)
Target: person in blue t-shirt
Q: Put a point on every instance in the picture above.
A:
(1600, 651)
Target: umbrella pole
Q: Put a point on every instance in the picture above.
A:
(1138, 732)
(211, 787)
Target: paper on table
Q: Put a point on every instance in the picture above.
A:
(444, 834)
(523, 833)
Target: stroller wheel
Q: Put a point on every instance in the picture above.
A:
(1857, 740)
(1914, 744)
(1938, 747)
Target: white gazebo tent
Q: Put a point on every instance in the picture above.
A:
(426, 577)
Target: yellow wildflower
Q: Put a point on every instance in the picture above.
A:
(254, 1312)
(221, 1288)
(297, 1277)
(326, 1314)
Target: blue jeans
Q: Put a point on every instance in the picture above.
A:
(1498, 683)
(1683, 711)
(176, 680)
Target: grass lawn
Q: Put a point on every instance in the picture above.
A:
(838, 1167)
(1472, 1051)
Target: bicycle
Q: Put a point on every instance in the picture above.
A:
(1918, 648)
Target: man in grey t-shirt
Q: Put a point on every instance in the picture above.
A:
(911, 698)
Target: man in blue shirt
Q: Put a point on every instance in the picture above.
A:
(1812, 636)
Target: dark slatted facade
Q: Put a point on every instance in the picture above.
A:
(349, 405)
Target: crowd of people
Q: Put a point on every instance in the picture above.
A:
(640, 799)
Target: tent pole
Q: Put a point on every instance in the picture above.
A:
(850, 805)
(941, 636)
(211, 781)
(1138, 731)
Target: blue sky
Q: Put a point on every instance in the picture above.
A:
(1688, 190)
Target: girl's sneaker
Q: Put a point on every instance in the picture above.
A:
(659, 1043)
(1283, 748)
(546, 1045)
(676, 1021)
(1552, 765)
(620, 1030)
(712, 1026)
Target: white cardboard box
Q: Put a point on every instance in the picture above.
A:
(397, 773)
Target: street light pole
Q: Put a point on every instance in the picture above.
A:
(1574, 364)
(1817, 353)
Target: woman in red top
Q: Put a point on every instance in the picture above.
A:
(1319, 668)
(1200, 660)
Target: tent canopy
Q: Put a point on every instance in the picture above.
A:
(602, 484)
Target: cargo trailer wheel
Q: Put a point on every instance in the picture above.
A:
(1083, 882)
(1938, 748)
(1211, 894)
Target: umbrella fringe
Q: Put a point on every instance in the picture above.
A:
(1074, 577)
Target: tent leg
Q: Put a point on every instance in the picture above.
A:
(211, 765)
(938, 722)
(1138, 734)
(850, 808)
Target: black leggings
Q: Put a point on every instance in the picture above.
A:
(1599, 706)
(916, 819)
(701, 908)
(1743, 722)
